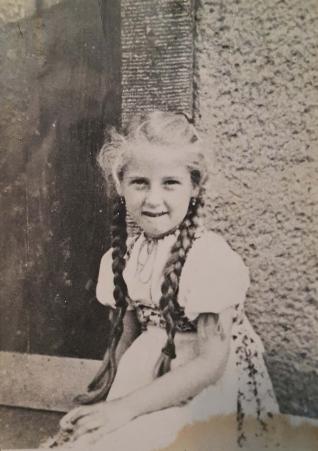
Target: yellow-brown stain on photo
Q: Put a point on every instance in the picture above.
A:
(286, 433)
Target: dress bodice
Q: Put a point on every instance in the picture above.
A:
(146, 259)
(213, 277)
(145, 263)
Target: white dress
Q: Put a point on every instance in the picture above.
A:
(213, 279)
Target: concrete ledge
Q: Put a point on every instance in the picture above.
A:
(43, 382)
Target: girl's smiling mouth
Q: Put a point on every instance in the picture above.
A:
(154, 214)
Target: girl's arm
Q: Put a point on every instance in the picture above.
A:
(180, 384)
(186, 381)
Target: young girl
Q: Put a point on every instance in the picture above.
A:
(181, 348)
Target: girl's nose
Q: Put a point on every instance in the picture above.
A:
(153, 198)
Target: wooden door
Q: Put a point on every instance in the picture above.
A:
(60, 87)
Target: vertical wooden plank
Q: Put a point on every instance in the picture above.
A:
(111, 24)
(157, 56)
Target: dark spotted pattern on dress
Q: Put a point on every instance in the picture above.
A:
(151, 315)
(253, 383)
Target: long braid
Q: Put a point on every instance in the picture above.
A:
(170, 286)
(102, 382)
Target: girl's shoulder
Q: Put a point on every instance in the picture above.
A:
(211, 248)
(214, 276)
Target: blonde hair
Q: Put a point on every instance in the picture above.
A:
(155, 131)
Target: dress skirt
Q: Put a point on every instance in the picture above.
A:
(244, 389)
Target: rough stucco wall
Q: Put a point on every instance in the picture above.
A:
(257, 99)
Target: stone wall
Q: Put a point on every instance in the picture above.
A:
(257, 100)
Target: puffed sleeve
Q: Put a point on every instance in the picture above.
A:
(105, 284)
(213, 278)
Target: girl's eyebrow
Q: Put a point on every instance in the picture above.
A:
(136, 176)
(173, 177)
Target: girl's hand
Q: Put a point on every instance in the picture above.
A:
(101, 418)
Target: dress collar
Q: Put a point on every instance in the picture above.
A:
(172, 233)
(169, 235)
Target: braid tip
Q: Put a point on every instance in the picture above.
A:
(91, 398)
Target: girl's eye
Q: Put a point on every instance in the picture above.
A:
(171, 182)
(139, 182)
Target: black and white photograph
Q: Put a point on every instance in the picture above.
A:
(158, 227)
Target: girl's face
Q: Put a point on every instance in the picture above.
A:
(157, 188)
